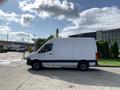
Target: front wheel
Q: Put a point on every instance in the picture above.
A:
(83, 66)
(36, 65)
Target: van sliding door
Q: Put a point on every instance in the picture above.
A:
(63, 50)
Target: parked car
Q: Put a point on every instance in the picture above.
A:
(3, 48)
(21, 49)
(81, 52)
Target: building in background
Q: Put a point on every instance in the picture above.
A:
(107, 35)
(89, 34)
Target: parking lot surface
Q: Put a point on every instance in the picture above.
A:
(16, 75)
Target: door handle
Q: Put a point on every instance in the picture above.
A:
(50, 53)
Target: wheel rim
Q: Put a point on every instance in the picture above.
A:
(83, 66)
(36, 65)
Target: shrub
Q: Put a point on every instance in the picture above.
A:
(103, 49)
(106, 52)
(114, 50)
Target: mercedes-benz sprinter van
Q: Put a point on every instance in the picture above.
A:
(81, 52)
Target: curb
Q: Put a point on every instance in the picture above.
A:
(107, 66)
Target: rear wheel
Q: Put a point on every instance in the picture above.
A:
(36, 65)
(83, 66)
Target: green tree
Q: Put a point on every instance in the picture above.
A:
(50, 37)
(106, 52)
(114, 50)
(41, 41)
(103, 49)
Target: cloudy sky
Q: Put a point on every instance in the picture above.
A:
(43, 17)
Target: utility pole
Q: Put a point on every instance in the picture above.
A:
(28, 48)
(28, 35)
(35, 41)
(7, 36)
(23, 39)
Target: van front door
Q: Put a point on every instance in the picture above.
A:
(46, 52)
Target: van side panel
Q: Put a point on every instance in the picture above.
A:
(84, 49)
(63, 49)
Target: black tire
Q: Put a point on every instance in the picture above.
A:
(36, 65)
(83, 66)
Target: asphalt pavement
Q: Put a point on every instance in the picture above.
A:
(16, 75)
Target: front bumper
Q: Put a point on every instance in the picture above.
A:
(29, 62)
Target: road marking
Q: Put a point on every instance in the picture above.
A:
(4, 63)
(7, 62)
(12, 60)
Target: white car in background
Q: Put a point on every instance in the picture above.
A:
(21, 49)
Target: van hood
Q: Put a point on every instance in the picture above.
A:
(31, 54)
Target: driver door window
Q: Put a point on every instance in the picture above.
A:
(46, 48)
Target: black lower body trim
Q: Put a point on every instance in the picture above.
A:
(29, 62)
(65, 61)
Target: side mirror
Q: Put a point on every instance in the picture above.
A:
(39, 51)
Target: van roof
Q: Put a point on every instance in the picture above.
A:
(73, 38)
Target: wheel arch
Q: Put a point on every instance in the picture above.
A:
(35, 60)
(83, 61)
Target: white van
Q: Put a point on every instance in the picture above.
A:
(81, 52)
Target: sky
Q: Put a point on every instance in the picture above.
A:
(41, 18)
